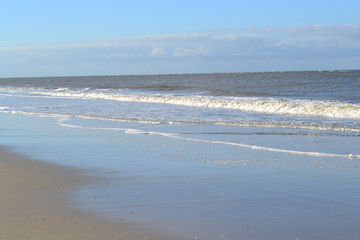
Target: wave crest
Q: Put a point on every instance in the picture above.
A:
(332, 109)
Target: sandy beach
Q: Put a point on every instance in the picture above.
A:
(35, 204)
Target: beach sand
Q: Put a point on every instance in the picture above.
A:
(34, 204)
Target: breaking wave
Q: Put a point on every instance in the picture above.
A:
(332, 109)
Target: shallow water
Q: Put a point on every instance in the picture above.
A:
(201, 189)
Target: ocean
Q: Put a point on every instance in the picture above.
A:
(325, 102)
(217, 146)
(316, 100)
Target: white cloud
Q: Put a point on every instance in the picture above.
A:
(266, 49)
(157, 51)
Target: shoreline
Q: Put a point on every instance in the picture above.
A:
(83, 183)
(36, 204)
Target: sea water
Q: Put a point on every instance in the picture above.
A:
(325, 103)
(203, 153)
(323, 100)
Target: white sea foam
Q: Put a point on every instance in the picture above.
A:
(185, 109)
(332, 109)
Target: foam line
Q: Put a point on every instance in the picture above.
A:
(175, 136)
(254, 147)
(243, 124)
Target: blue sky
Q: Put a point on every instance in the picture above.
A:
(96, 37)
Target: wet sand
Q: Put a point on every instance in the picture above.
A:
(35, 204)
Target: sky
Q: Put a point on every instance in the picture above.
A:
(117, 37)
